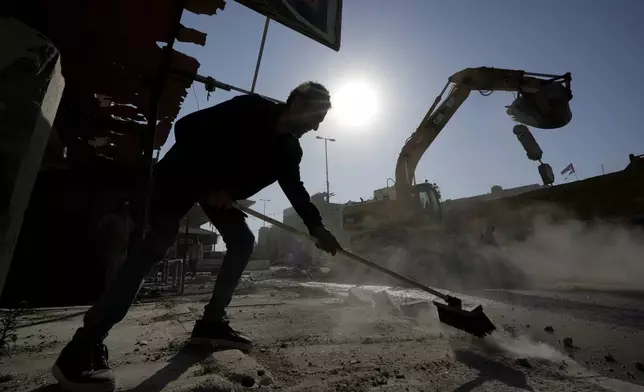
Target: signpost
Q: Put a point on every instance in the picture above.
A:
(320, 20)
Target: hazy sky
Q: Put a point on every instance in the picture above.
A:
(406, 50)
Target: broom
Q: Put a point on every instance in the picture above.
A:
(452, 313)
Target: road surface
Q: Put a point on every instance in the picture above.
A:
(309, 338)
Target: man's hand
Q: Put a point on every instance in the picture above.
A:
(219, 199)
(326, 241)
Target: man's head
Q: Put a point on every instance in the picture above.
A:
(306, 108)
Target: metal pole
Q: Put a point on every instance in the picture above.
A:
(153, 115)
(182, 265)
(259, 56)
(265, 201)
(326, 162)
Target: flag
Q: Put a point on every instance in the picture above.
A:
(570, 169)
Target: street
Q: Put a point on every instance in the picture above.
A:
(313, 337)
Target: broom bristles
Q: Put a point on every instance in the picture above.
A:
(474, 321)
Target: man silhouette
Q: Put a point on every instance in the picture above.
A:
(223, 153)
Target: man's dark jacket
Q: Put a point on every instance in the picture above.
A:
(235, 146)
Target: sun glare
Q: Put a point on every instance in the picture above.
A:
(355, 104)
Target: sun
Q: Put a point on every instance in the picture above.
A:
(355, 104)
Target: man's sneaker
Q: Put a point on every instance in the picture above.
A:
(83, 367)
(220, 334)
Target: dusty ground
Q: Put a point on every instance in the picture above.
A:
(307, 340)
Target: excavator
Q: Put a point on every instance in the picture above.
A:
(408, 216)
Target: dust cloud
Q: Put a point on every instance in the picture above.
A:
(520, 347)
(547, 250)
(574, 254)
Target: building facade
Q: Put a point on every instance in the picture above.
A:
(277, 244)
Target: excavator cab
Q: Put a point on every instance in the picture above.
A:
(423, 204)
(427, 200)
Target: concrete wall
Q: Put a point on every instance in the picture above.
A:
(493, 195)
(31, 86)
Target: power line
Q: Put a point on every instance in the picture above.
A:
(269, 214)
(196, 98)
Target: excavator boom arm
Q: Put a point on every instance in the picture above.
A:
(483, 79)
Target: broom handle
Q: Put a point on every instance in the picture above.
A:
(344, 252)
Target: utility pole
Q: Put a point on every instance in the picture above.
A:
(326, 161)
(265, 201)
(259, 56)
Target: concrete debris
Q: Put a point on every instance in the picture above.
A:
(523, 362)
(266, 381)
(511, 330)
(568, 342)
(236, 367)
(378, 380)
(415, 308)
(247, 381)
(245, 285)
(384, 303)
(359, 297)
(381, 301)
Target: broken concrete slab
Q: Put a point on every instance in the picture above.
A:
(415, 308)
(236, 367)
(357, 296)
(384, 303)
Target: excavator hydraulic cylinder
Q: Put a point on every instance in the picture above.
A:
(546, 173)
(529, 143)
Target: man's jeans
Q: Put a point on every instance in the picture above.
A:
(170, 202)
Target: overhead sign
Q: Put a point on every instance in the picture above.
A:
(320, 20)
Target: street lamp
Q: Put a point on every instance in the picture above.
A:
(265, 201)
(326, 160)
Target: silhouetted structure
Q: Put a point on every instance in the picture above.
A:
(122, 94)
